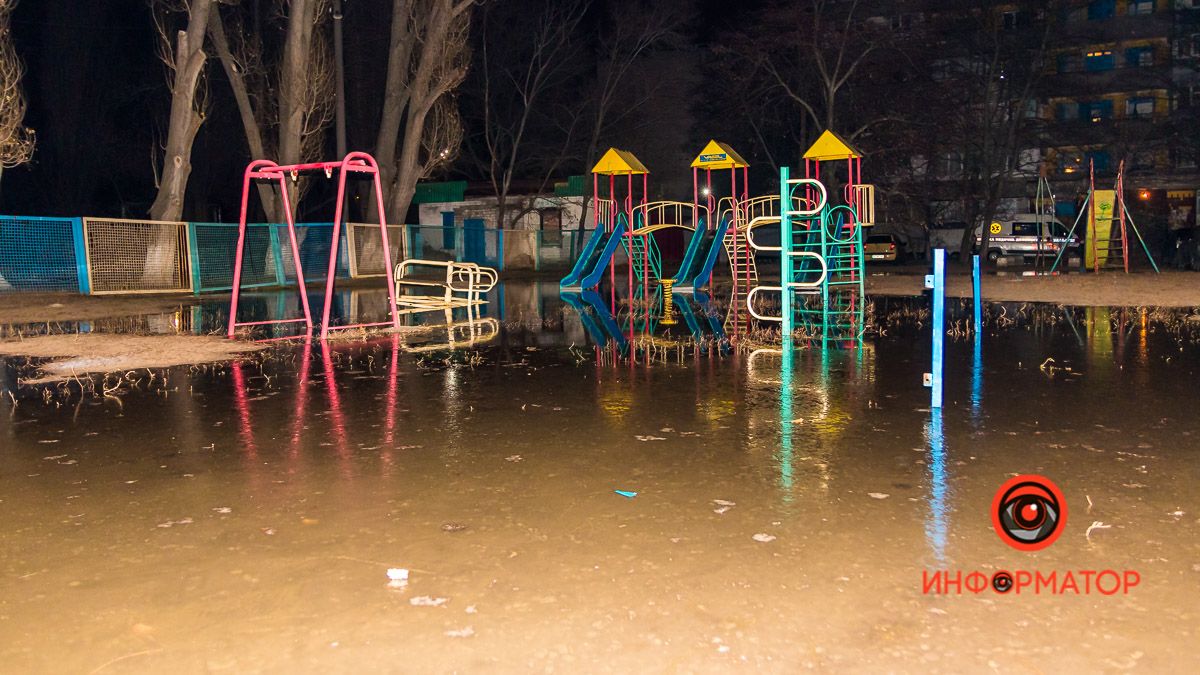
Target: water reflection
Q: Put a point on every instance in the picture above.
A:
(937, 521)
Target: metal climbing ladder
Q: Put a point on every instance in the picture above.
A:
(643, 256)
(821, 263)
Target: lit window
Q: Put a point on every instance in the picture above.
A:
(1139, 107)
(1140, 57)
(1140, 7)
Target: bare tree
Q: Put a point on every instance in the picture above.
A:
(825, 51)
(514, 76)
(183, 54)
(998, 70)
(419, 127)
(284, 110)
(16, 139)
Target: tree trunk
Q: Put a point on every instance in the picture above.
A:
(185, 120)
(250, 125)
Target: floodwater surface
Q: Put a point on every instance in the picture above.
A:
(788, 507)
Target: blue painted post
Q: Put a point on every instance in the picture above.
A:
(785, 245)
(81, 266)
(976, 294)
(194, 257)
(939, 326)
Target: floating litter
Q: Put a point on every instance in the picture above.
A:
(626, 493)
(398, 577)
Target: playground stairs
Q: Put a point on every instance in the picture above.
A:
(644, 257)
(741, 258)
(1112, 249)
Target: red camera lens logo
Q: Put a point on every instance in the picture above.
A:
(1029, 512)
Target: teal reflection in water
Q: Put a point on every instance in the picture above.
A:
(935, 523)
(977, 382)
(786, 405)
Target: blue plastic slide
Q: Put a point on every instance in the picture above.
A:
(593, 278)
(590, 266)
(696, 271)
(695, 244)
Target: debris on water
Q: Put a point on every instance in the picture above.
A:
(513, 458)
(472, 610)
(650, 438)
(667, 430)
(454, 527)
(172, 523)
(52, 458)
(268, 531)
(49, 440)
(427, 601)
(223, 509)
(1096, 525)
(723, 505)
(878, 495)
(463, 633)
(626, 493)
(397, 577)
(764, 537)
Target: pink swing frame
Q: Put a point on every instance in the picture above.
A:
(262, 169)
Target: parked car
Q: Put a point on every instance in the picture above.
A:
(1027, 235)
(882, 247)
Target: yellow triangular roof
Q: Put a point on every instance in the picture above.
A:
(619, 163)
(718, 156)
(831, 146)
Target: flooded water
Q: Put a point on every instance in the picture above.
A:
(788, 507)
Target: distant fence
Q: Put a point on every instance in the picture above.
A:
(122, 256)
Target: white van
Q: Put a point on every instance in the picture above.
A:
(1027, 235)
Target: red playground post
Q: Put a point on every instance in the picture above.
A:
(262, 169)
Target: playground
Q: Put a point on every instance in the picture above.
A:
(245, 516)
(719, 440)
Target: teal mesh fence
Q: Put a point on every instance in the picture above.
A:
(267, 260)
(42, 254)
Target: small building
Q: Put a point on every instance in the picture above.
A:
(541, 231)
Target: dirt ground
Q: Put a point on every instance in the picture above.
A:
(43, 307)
(1169, 289)
(106, 353)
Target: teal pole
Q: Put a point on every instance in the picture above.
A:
(975, 292)
(785, 251)
(939, 326)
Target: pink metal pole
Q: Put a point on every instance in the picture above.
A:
(333, 251)
(237, 266)
(387, 250)
(291, 226)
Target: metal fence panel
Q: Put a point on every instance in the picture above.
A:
(365, 246)
(214, 249)
(137, 256)
(42, 254)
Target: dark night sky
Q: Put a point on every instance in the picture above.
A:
(98, 101)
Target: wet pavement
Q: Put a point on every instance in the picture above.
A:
(243, 518)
